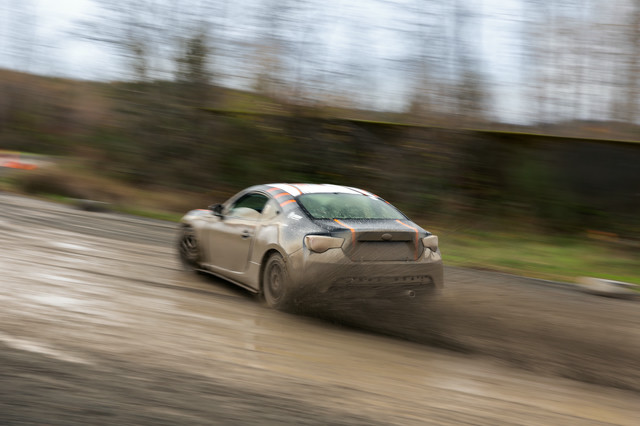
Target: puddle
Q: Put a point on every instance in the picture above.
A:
(40, 348)
(71, 246)
(58, 301)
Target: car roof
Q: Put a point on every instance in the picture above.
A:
(296, 189)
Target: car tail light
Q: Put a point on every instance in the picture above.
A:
(321, 243)
(431, 242)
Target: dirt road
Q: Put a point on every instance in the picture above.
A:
(99, 326)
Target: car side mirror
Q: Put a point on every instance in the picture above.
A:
(216, 209)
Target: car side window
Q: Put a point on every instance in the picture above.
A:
(249, 206)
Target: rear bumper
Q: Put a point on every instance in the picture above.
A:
(333, 272)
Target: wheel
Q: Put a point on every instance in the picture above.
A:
(188, 249)
(275, 283)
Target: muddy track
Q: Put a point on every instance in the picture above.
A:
(100, 326)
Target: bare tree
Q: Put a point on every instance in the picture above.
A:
(152, 36)
(193, 68)
(633, 66)
(18, 26)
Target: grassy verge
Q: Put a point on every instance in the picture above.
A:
(125, 209)
(69, 183)
(539, 255)
(546, 256)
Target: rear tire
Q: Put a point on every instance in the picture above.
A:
(188, 249)
(276, 289)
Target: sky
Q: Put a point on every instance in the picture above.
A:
(60, 52)
(56, 22)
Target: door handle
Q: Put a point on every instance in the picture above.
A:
(245, 234)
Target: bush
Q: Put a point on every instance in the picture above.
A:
(50, 181)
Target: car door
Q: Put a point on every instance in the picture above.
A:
(231, 239)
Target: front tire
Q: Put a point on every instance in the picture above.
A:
(188, 249)
(275, 283)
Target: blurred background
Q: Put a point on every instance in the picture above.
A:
(510, 128)
(510, 114)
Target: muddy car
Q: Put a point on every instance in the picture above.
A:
(288, 241)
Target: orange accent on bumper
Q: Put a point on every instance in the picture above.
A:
(417, 237)
(353, 231)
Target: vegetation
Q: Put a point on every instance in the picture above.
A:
(543, 255)
(169, 136)
(146, 136)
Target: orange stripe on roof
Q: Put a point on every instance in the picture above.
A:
(353, 231)
(283, 187)
(417, 236)
(272, 189)
(282, 194)
(287, 202)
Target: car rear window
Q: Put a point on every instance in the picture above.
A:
(347, 206)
